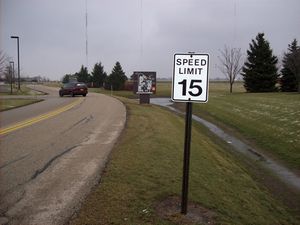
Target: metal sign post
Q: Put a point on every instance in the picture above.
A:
(186, 158)
(189, 84)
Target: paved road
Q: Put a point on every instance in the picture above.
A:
(52, 101)
(47, 168)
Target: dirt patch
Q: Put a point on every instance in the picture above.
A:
(169, 209)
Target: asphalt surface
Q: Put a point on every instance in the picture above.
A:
(47, 168)
(52, 101)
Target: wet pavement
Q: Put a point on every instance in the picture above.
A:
(238, 145)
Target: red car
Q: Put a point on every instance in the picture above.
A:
(73, 89)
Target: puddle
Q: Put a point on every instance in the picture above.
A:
(282, 172)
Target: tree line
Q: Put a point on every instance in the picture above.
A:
(98, 77)
(259, 71)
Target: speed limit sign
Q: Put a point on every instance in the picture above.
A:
(190, 78)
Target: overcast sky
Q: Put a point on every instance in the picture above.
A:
(140, 34)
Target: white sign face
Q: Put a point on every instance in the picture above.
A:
(190, 78)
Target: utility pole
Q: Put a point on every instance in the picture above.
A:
(86, 35)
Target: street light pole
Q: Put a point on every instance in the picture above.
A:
(16, 37)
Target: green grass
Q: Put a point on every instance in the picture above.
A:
(7, 104)
(163, 89)
(57, 84)
(146, 167)
(269, 120)
(5, 90)
(24, 90)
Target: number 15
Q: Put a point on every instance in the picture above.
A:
(193, 86)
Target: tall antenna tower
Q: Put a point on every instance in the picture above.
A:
(86, 35)
(235, 24)
(141, 34)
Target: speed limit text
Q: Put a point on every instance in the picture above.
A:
(189, 63)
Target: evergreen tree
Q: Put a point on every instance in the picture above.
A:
(260, 71)
(98, 75)
(66, 78)
(289, 79)
(116, 79)
(83, 75)
(69, 78)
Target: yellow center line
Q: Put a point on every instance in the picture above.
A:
(39, 118)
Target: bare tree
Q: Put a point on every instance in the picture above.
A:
(3, 62)
(7, 73)
(231, 63)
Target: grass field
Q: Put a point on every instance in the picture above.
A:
(146, 168)
(269, 120)
(24, 90)
(7, 104)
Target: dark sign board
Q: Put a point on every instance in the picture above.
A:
(144, 82)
